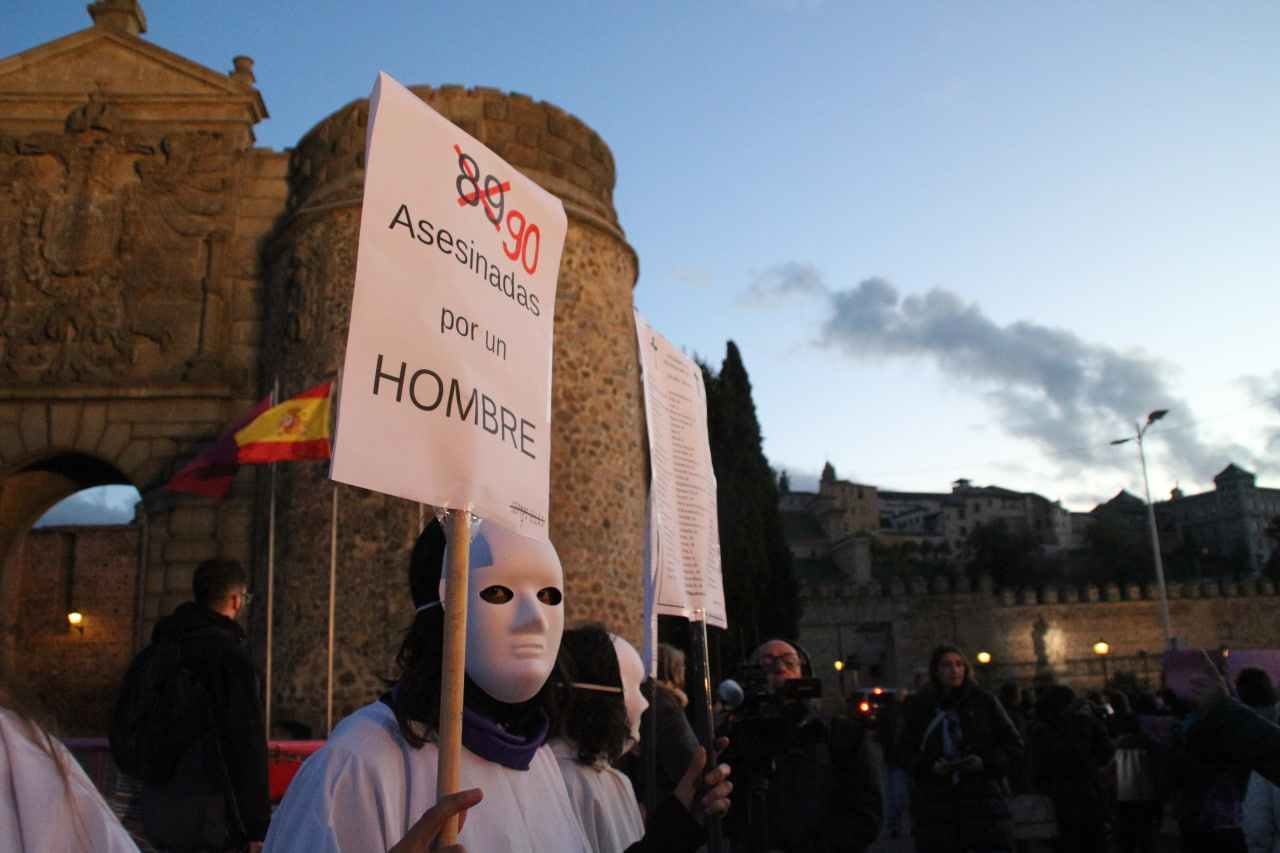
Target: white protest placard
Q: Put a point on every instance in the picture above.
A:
(446, 395)
(684, 549)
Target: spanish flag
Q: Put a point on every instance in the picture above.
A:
(298, 428)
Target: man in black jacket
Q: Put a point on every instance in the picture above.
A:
(219, 797)
(803, 781)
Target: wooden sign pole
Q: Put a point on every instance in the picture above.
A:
(453, 666)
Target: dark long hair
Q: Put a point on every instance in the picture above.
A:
(595, 721)
(935, 660)
(415, 692)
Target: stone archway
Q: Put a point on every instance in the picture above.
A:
(43, 574)
(25, 495)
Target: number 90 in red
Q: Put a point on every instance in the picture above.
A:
(522, 236)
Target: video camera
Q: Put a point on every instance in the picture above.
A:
(753, 699)
(759, 722)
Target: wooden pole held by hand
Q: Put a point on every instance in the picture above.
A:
(453, 666)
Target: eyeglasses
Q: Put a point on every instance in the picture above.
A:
(789, 660)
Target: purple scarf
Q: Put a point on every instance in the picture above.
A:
(485, 739)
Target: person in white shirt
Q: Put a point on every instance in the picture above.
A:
(49, 802)
(597, 722)
(363, 790)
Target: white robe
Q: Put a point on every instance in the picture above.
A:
(42, 814)
(364, 789)
(604, 800)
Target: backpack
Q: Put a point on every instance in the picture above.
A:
(161, 711)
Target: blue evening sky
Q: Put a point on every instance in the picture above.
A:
(975, 239)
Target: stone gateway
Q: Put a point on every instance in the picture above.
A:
(159, 274)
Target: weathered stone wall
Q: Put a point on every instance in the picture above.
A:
(131, 217)
(597, 445)
(75, 674)
(1033, 635)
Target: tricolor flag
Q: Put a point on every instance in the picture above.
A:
(210, 474)
(298, 428)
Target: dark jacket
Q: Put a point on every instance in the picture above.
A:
(1019, 782)
(888, 726)
(668, 738)
(964, 811)
(213, 648)
(1220, 749)
(806, 782)
(1068, 751)
(1234, 734)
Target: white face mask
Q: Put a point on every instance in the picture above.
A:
(514, 613)
(631, 667)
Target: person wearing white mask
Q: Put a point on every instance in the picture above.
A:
(597, 722)
(376, 775)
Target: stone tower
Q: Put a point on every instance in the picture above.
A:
(597, 450)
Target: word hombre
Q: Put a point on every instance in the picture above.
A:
(427, 390)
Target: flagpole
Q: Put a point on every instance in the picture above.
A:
(271, 574)
(333, 582)
(333, 561)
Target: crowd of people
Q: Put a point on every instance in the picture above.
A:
(567, 746)
(1116, 767)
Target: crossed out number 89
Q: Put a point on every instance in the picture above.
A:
(490, 194)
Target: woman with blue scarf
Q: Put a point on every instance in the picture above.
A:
(956, 743)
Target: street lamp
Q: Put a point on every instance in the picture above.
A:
(1139, 432)
(840, 670)
(1101, 649)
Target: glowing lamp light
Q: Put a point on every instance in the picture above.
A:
(878, 690)
(839, 665)
(76, 618)
(984, 657)
(864, 707)
(1101, 647)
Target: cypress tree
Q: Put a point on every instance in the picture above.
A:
(761, 592)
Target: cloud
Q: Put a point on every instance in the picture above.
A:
(782, 281)
(1267, 390)
(1069, 396)
(695, 276)
(97, 505)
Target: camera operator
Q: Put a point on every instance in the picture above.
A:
(807, 782)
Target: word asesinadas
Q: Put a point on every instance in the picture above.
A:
(427, 391)
(424, 232)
